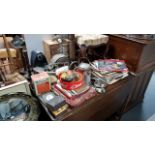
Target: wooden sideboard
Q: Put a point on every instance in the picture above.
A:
(140, 58)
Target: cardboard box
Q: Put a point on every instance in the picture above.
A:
(41, 83)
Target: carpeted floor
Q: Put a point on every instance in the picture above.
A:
(145, 110)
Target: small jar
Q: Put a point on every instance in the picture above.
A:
(85, 69)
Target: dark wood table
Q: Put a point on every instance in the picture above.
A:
(100, 107)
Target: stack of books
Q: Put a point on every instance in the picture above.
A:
(77, 96)
(72, 93)
(109, 70)
(55, 104)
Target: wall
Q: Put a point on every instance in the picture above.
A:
(35, 42)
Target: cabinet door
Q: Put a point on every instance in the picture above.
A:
(127, 50)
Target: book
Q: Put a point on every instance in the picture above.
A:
(72, 93)
(111, 77)
(109, 65)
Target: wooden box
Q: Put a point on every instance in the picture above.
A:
(50, 48)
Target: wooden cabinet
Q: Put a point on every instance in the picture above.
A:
(140, 58)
